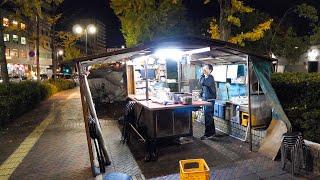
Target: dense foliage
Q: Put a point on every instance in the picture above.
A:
(231, 17)
(144, 20)
(299, 94)
(18, 98)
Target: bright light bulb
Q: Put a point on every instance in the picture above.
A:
(60, 52)
(77, 29)
(91, 29)
(175, 54)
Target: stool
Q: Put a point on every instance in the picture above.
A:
(292, 147)
(117, 176)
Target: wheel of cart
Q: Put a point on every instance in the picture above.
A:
(152, 150)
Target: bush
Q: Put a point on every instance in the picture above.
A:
(62, 84)
(19, 98)
(299, 95)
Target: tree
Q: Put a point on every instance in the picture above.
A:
(31, 10)
(287, 43)
(72, 52)
(143, 20)
(315, 37)
(262, 45)
(229, 9)
(67, 42)
(52, 20)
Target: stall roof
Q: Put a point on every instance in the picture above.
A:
(219, 49)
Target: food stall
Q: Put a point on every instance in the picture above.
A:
(162, 109)
(162, 81)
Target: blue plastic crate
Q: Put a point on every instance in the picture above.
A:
(216, 110)
(221, 111)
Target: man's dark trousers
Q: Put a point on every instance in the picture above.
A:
(208, 120)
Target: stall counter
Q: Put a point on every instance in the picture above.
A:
(157, 106)
(154, 121)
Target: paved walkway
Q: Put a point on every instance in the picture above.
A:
(47, 143)
(50, 143)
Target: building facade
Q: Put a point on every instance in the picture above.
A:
(308, 62)
(19, 38)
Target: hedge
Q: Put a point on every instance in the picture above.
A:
(19, 98)
(299, 95)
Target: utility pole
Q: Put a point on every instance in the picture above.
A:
(37, 48)
(54, 55)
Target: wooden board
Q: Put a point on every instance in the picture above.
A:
(130, 79)
(271, 144)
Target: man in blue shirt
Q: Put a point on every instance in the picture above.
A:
(208, 93)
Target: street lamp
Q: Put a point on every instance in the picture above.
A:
(60, 52)
(90, 29)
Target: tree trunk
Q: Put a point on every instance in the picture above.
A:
(224, 25)
(37, 48)
(3, 61)
(53, 53)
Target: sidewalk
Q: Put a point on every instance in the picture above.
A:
(59, 153)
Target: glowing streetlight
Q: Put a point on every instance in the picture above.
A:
(90, 29)
(77, 29)
(60, 52)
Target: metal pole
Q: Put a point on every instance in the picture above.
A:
(86, 34)
(179, 75)
(146, 76)
(37, 48)
(85, 119)
(92, 110)
(249, 101)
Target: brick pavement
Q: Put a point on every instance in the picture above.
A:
(227, 157)
(61, 152)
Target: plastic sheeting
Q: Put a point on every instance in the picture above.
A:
(262, 70)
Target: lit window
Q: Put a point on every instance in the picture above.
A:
(7, 52)
(6, 22)
(23, 26)
(23, 40)
(23, 54)
(15, 38)
(14, 53)
(15, 23)
(6, 37)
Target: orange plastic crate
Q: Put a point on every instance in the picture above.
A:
(194, 169)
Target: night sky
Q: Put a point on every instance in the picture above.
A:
(97, 9)
(101, 10)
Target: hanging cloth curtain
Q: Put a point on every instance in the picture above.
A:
(263, 71)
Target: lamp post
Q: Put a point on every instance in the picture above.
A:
(59, 53)
(90, 29)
